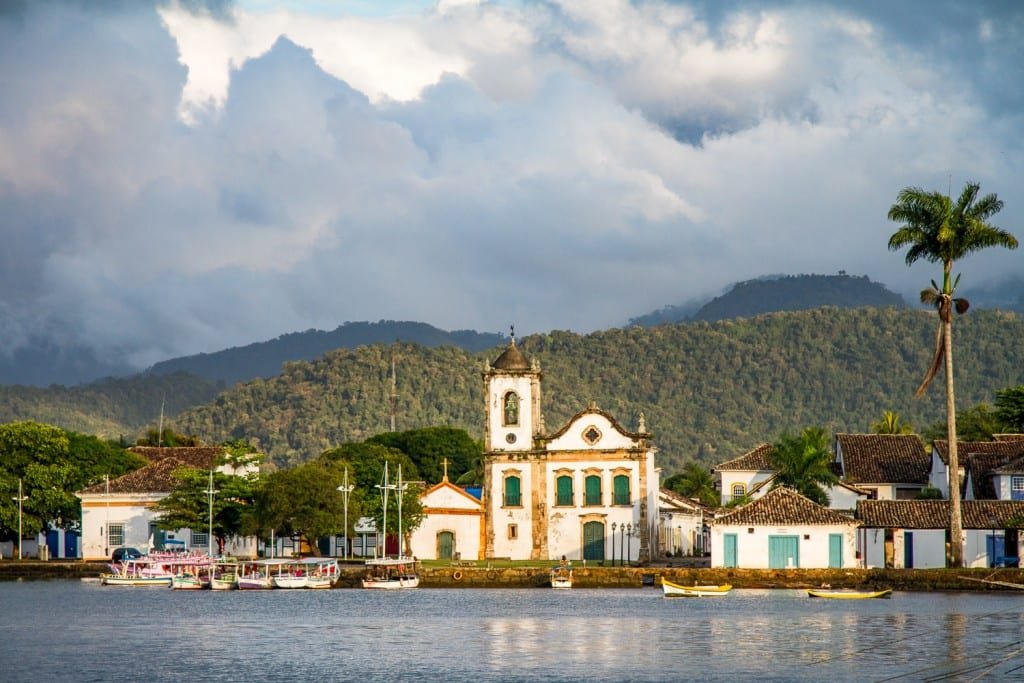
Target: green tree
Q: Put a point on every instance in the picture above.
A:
(167, 437)
(301, 502)
(804, 463)
(428, 448)
(697, 482)
(974, 424)
(188, 506)
(1010, 408)
(939, 230)
(891, 424)
(929, 492)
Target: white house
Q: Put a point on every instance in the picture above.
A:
(745, 475)
(911, 534)
(886, 466)
(681, 525)
(784, 530)
(119, 512)
(1006, 445)
(452, 526)
(574, 492)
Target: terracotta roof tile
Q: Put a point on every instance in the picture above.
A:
(967, 448)
(756, 460)
(934, 514)
(784, 506)
(155, 478)
(981, 466)
(883, 458)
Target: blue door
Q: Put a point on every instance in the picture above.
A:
(908, 550)
(995, 549)
(783, 552)
(729, 550)
(835, 551)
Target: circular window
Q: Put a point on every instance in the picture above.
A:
(510, 437)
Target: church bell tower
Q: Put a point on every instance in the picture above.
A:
(512, 395)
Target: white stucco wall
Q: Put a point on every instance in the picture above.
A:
(752, 548)
(521, 546)
(842, 498)
(572, 439)
(749, 479)
(929, 550)
(452, 511)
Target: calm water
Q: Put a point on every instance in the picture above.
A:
(81, 631)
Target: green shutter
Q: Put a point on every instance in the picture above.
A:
(593, 541)
(783, 552)
(622, 489)
(593, 489)
(512, 497)
(729, 548)
(835, 551)
(564, 490)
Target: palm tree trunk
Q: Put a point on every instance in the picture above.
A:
(956, 546)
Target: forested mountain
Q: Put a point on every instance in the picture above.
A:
(779, 293)
(112, 408)
(264, 359)
(708, 390)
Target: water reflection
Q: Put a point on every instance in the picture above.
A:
(68, 631)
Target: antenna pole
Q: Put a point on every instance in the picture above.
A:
(394, 394)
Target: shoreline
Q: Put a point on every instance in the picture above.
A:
(972, 580)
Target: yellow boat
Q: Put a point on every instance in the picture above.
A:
(847, 593)
(677, 590)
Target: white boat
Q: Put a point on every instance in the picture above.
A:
(225, 575)
(561, 577)
(137, 572)
(390, 573)
(254, 575)
(191, 574)
(289, 574)
(322, 573)
(677, 590)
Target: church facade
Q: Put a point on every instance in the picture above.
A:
(588, 491)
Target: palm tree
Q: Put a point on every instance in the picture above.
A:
(891, 424)
(804, 463)
(695, 482)
(938, 230)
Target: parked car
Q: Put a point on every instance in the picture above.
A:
(120, 554)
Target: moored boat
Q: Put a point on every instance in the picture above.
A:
(848, 593)
(254, 575)
(289, 574)
(224, 576)
(391, 573)
(673, 590)
(142, 571)
(322, 572)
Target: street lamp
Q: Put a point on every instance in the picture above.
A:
(614, 527)
(209, 539)
(992, 543)
(633, 531)
(346, 489)
(21, 499)
(679, 549)
(622, 533)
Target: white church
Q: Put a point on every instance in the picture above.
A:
(588, 491)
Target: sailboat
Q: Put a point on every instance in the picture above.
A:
(392, 573)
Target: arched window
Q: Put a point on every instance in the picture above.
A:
(563, 490)
(738, 491)
(592, 486)
(621, 486)
(513, 498)
(511, 409)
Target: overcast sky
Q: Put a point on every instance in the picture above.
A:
(177, 178)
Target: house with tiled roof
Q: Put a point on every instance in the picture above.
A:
(783, 530)
(118, 512)
(745, 475)
(886, 466)
(912, 533)
(452, 526)
(682, 525)
(989, 455)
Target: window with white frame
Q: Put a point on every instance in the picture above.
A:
(200, 538)
(1017, 483)
(115, 535)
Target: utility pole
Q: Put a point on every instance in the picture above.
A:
(394, 394)
(21, 499)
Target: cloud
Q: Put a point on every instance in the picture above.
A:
(184, 178)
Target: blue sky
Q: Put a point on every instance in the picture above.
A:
(184, 177)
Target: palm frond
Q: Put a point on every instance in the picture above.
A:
(933, 370)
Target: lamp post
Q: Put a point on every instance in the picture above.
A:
(633, 531)
(209, 492)
(679, 549)
(21, 499)
(346, 489)
(622, 534)
(992, 543)
(614, 527)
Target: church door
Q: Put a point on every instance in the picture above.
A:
(445, 545)
(593, 541)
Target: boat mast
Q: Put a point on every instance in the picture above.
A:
(401, 551)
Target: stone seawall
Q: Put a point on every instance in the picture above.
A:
(620, 577)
